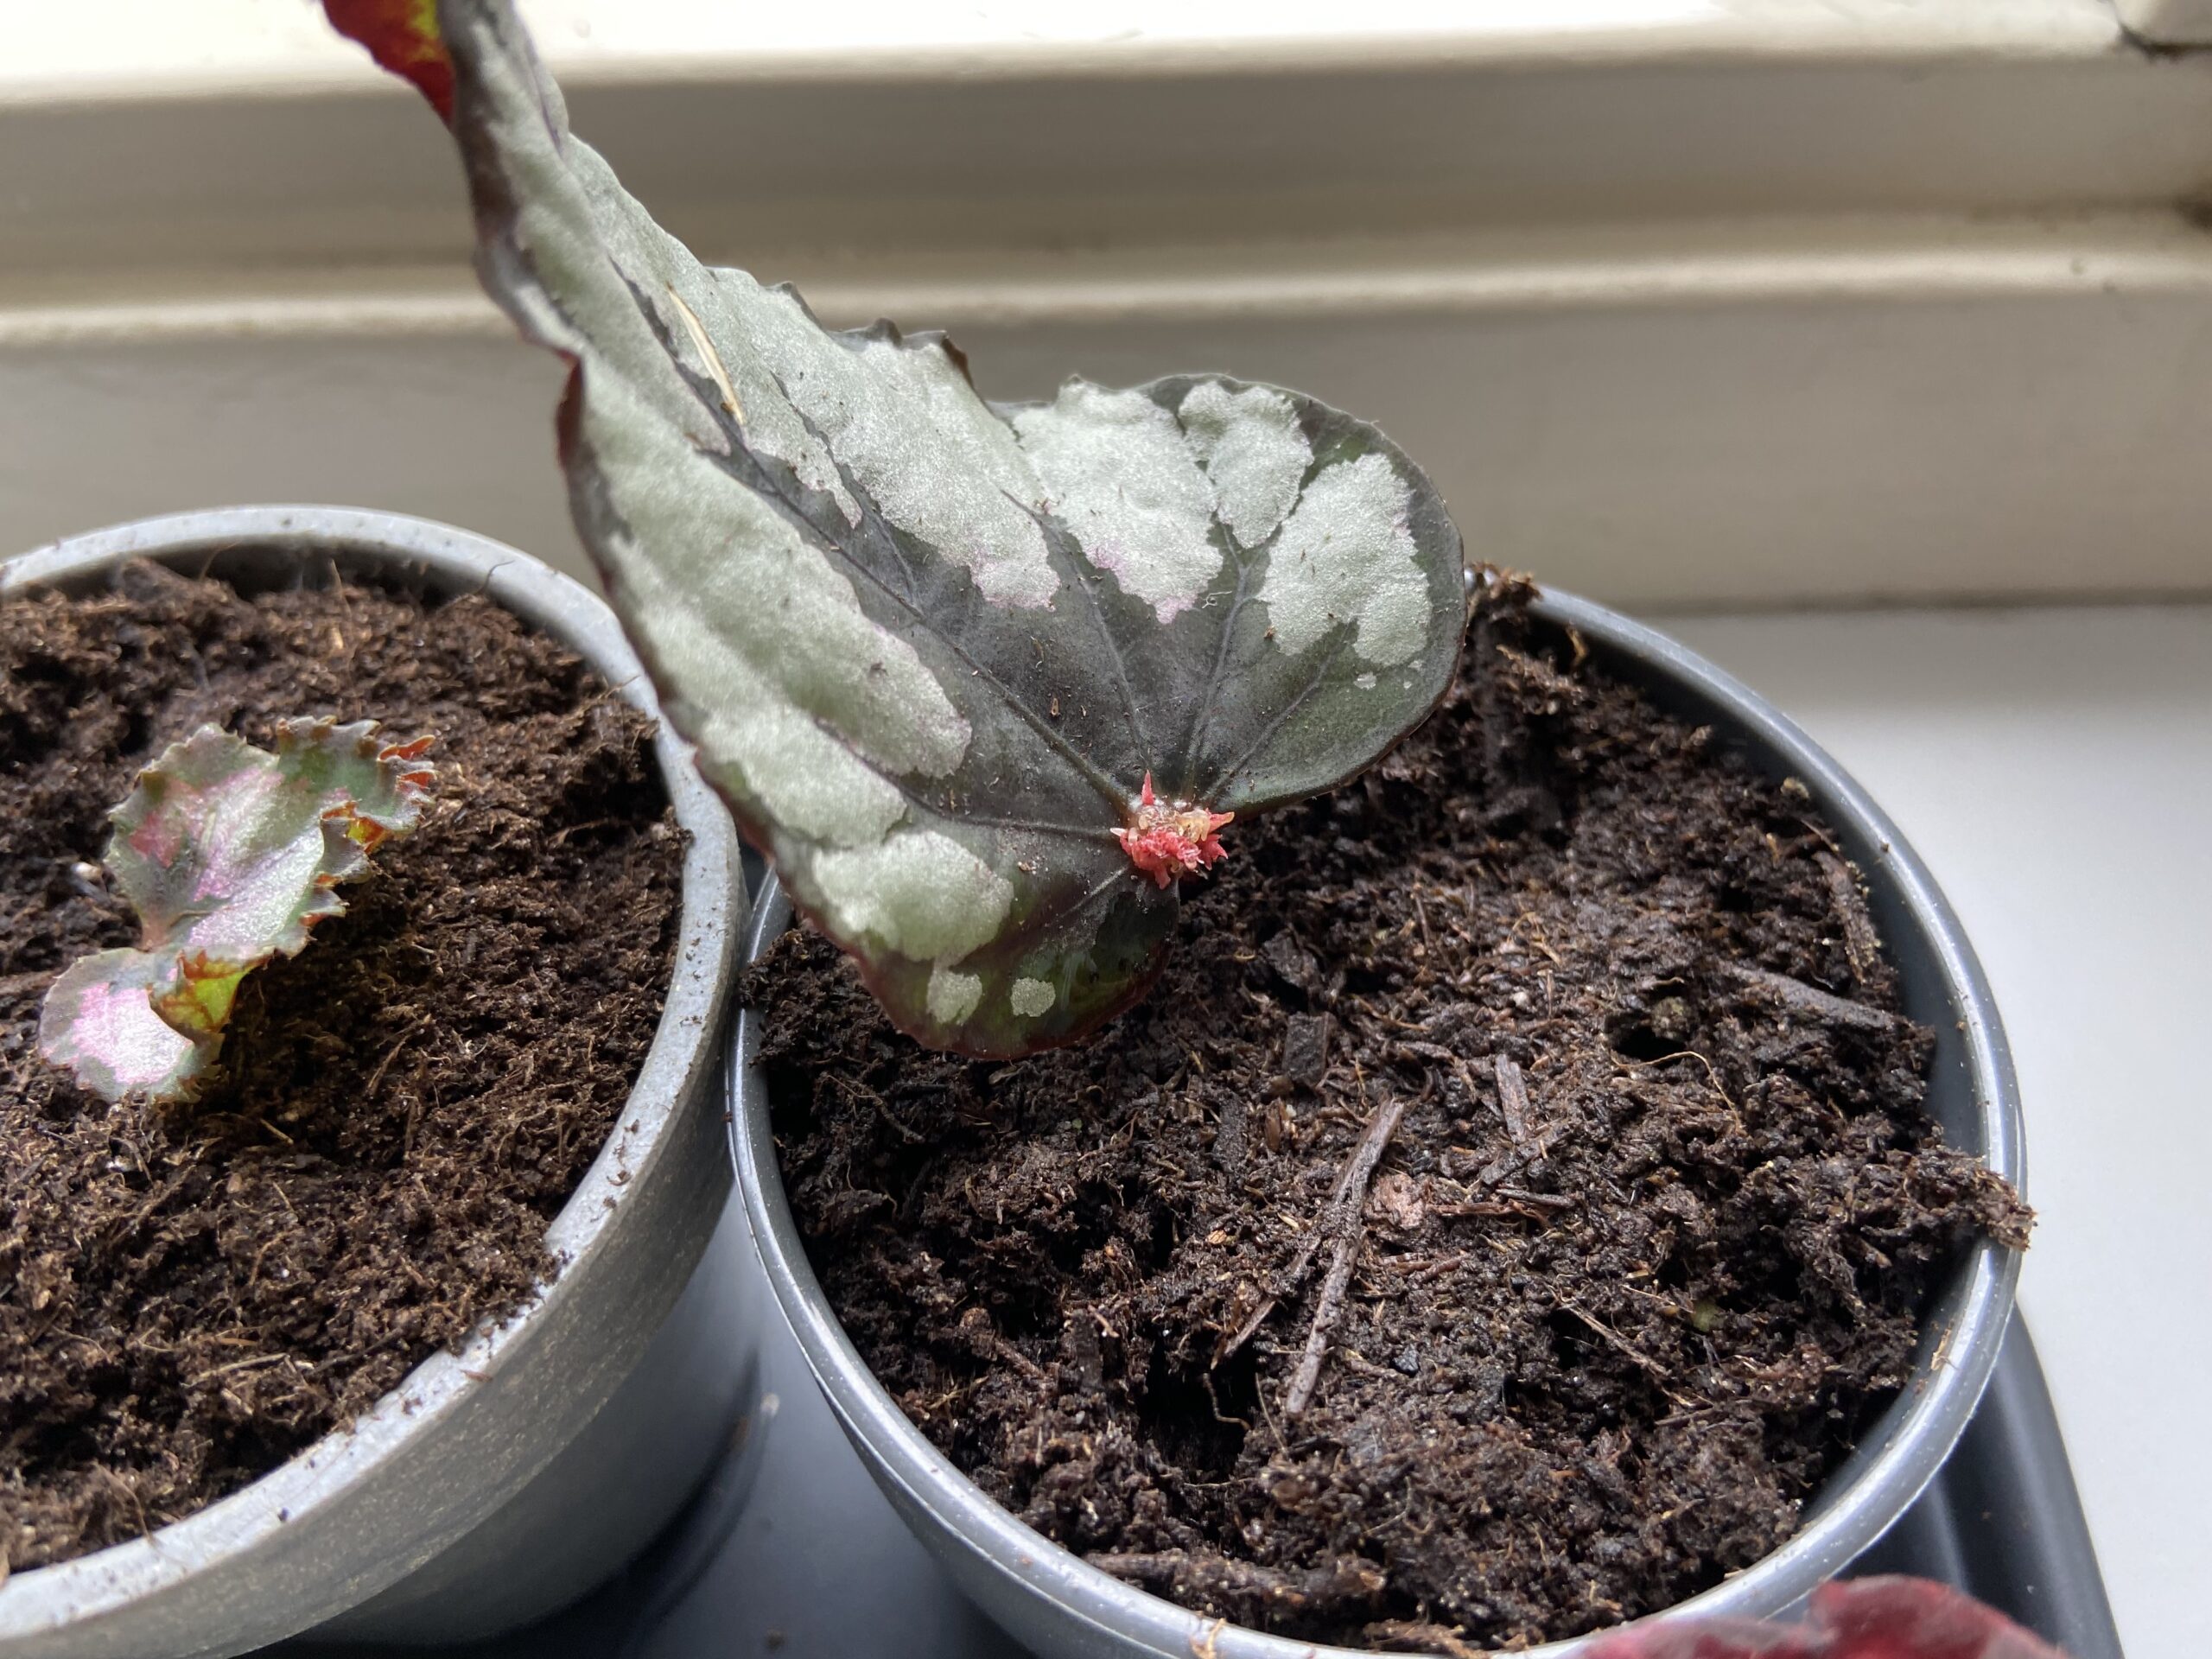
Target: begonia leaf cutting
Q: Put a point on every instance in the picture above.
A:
(229, 855)
(983, 681)
(1851, 1619)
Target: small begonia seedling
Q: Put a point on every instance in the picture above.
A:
(984, 681)
(1849, 1618)
(229, 855)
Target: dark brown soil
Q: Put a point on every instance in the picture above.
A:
(1656, 1205)
(189, 1297)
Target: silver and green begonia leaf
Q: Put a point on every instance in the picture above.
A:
(930, 648)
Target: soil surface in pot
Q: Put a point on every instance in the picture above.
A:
(189, 1297)
(1656, 1206)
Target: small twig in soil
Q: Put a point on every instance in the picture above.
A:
(1253, 1321)
(931, 1408)
(1860, 945)
(415, 1121)
(1712, 1076)
(912, 1137)
(345, 606)
(1476, 1211)
(1512, 1098)
(1427, 1051)
(1809, 1000)
(391, 1054)
(1331, 1308)
(1690, 1414)
(1659, 1374)
(1020, 1361)
(1340, 1214)
(1350, 1196)
(1213, 1401)
(251, 1362)
(1513, 1163)
(1422, 1266)
(130, 1491)
(1542, 1200)
(563, 833)
(1353, 1360)
(285, 1198)
(147, 1211)
(1642, 1360)
(1351, 1199)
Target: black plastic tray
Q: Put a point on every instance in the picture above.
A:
(790, 1550)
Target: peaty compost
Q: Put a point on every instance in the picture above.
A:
(190, 1295)
(1514, 1199)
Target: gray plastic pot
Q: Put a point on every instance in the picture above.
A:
(500, 1483)
(1053, 1602)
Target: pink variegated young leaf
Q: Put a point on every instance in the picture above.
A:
(1850, 1618)
(930, 648)
(229, 855)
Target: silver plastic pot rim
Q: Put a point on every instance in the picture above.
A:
(105, 1585)
(1860, 1502)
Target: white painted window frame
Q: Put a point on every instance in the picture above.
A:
(2167, 22)
(1780, 302)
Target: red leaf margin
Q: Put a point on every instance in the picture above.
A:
(402, 37)
(1853, 1618)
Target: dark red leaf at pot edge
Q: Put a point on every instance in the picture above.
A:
(1856, 1618)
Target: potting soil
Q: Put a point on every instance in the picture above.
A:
(189, 1295)
(1514, 1198)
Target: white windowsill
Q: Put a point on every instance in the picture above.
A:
(1683, 303)
(110, 48)
(2053, 767)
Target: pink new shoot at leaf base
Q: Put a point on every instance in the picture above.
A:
(1167, 840)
